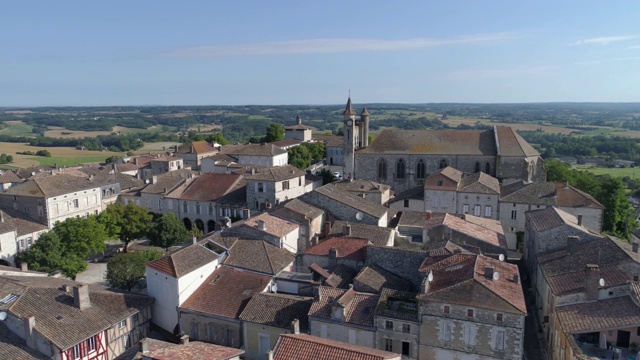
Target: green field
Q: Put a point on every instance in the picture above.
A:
(616, 172)
(17, 128)
(68, 161)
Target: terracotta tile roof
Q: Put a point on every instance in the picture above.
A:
(300, 207)
(358, 307)
(551, 218)
(570, 196)
(330, 140)
(184, 261)
(52, 185)
(433, 142)
(348, 248)
(548, 194)
(446, 247)
(252, 150)
(7, 176)
(376, 234)
(575, 282)
(259, 256)
(15, 220)
(276, 173)
(196, 147)
(278, 310)
(479, 183)
(57, 319)
(599, 315)
(165, 183)
(376, 278)
(347, 199)
(421, 219)
(14, 348)
(194, 350)
(478, 232)
(491, 224)
(448, 172)
(126, 167)
(361, 186)
(307, 347)
(397, 304)
(603, 252)
(512, 144)
(226, 292)
(287, 142)
(210, 187)
(273, 225)
(461, 279)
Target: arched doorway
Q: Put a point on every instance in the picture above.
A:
(211, 226)
(187, 223)
(200, 225)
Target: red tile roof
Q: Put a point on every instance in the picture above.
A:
(599, 315)
(195, 350)
(358, 307)
(348, 248)
(226, 292)
(210, 186)
(307, 347)
(184, 260)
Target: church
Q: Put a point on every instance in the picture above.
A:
(403, 158)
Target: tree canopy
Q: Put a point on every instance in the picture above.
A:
(618, 218)
(124, 271)
(126, 223)
(302, 155)
(275, 132)
(168, 231)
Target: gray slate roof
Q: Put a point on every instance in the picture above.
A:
(276, 173)
(278, 310)
(376, 234)
(259, 256)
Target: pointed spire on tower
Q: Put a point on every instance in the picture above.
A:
(364, 111)
(349, 108)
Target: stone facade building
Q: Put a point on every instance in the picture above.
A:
(403, 158)
(270, 186)
(455, 324)
(298, 131)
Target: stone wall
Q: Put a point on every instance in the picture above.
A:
(401, 262)
(225, 332)
(342, 211)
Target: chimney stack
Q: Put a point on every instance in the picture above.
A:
(572, 244)
(346, 230)
(81, 297)
(1, 216)
(194, 239)
(634, 246)
(488, 272)
(579, 220)
(29, 323)
(295, 326)
(154, 179)
(592, 282)
(270, 355)
(333, 257)
(24, 266)
(261, 225)
(144, 345)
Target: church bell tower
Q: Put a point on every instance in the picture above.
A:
(356, 133)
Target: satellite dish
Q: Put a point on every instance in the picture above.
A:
(496, 276)
(274, 288)
(359, 216)
(146, 181)
(501, 257)
(601, 282)
(3, 316)
(430, 277)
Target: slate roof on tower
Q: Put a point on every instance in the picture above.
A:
(348, 110)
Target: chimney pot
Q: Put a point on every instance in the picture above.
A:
(261, 225)
(592, 282)
(144, 345)
(81, 298)
(194, 240)
(634, 246)
(579, 220)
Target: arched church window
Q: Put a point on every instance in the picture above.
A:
(443, 164)
(382, 169)
(400, 169)
(420, 169)
(487, 168)
(477, 167)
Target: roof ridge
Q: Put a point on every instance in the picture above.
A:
(491, 290)
(268, 255)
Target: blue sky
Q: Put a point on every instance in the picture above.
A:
(302, 52)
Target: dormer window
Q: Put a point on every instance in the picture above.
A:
(470, 313)
(446, 309)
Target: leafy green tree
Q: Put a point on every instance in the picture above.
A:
(111, 219)
(49, 254)
(217, 137)
(327, 176)
(168, 231)
(81, 236)
(124, 271)
(299, 156)
(135, 223)
(275, 132)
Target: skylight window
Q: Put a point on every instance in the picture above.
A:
(454, 267)
(8, 299)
